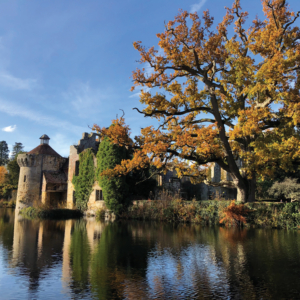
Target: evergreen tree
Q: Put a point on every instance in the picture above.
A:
(4, 152)
(83, 183)
(115, 190)
(17, 148)
(13, 171)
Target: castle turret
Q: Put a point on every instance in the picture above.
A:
(33, 165)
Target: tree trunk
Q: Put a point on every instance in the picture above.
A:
(246, 190)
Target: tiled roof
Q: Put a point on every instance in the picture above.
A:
(55, 177)
(44, 149)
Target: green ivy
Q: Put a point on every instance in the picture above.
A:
(115, 190)
(83, 183)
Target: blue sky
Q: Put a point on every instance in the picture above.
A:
(65, 65)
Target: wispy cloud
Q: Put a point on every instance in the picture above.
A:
(197, 6)
(61, 142)
(85, 99)
(138, 91)
(13, 109)
(7, 78)
(16, 83)
(9, 128)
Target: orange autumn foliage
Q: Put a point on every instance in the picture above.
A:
(3, 173)
(220, 94)
(234, 214)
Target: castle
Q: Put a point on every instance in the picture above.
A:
(46, 177)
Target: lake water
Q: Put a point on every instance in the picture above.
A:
(86, 259)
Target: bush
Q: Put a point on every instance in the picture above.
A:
(234, 214)
(288, 189)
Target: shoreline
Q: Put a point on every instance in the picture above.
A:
(208, 212)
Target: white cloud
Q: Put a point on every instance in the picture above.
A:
(14, 109)
(197, 6)
(16, 83)
(9, 128)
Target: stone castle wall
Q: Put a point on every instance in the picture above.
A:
(31, 175)
(87, 141)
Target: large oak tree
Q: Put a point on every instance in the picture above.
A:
(220, 97)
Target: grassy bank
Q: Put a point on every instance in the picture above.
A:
(58, 214)
(258, 214)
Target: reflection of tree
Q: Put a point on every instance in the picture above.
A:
(116, 261)
(7, 228)
(142, 260)
(80, 257)
(272, 263)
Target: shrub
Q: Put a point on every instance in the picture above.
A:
(287, 189)
(100, 214)
(234, 214)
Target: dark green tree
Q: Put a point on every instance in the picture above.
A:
(13, 171)
(83, 183)
(17, 148)
(4, 152)
(80, 253)
(141, 183)
(115, 190)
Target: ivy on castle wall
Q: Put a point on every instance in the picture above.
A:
(83, 183)
(115, 190)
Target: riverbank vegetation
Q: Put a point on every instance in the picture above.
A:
(212, 212)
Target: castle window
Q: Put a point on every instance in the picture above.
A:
(74, 198)
(77, 168)
(99, 195)
(24, 178)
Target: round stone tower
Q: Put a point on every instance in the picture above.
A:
(32, 165)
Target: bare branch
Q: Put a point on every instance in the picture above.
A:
(164, 112)
(227, 184)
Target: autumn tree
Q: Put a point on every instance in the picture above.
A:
(3, 173)
(232, 99)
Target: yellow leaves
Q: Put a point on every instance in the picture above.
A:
(247, 73)
(250, 122)
(3, 173)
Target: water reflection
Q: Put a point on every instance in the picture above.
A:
(135, 260)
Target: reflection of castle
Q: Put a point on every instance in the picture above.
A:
(42, 246)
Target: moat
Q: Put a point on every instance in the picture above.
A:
(88, 259)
